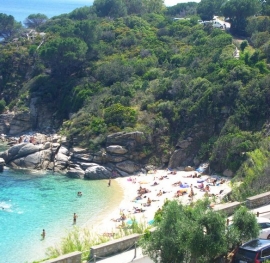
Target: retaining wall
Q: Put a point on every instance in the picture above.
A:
(227, 208)
(114, 246)
(74, 257)
(258, 200)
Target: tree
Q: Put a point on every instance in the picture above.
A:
(64, 55)
(153, 6)
(35, 20)
(208, 8)
(196, 233)
(238, 11)
(8, 26)
(113, 8)
(187, 234)
(245, 225)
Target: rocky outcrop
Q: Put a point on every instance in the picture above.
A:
(2, 164)
(96, 171)
(5, 120)
(20, 123)
(47, 152)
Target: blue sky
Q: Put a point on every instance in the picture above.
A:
(175, 2)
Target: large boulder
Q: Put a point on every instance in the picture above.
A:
(97, 172)
(37, 160)
(20, 150)
(178, 158)
(129, 140)
(2, 164)
(76, 172)
(116, 149)
(20, 123)
(128, 166)
(5, 120)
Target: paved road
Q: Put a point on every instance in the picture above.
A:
(128, 256)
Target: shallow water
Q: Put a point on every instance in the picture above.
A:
(30, 202)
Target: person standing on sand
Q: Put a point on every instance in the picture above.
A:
(74, 219)
(109, 183)
(43, 234)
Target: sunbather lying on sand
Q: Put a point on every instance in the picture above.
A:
(122, 218)
(154, 184)
(159, 193)
(143, 191)
(212, 181)
(177, 183)
(138, 210)
(180, 192)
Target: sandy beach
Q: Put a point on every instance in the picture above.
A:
(161, 185)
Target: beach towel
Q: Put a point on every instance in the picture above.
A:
(184, 185)
(200, 181)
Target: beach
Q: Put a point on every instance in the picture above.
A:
(162, 185)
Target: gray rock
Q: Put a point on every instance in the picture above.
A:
(183, 144)
(76, 172)
(20, 123)
(5, 120)
(2, 161)
(177, 159)
(117, 149)
(33, 161)
(63, 150)
(123, 138)
(228, 173)
(86, 165)
(2, 164)
(128, 166)
(97, 172)
(29, 148)
(77, 150)
(83, 157)
(115, 159)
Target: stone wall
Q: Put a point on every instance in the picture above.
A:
(74, 257)
(258, 200)
(227, 208)
(114, 246)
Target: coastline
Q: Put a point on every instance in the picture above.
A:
(165, 180)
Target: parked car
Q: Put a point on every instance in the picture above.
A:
(264, 224)
(218, 24)
(254, 251)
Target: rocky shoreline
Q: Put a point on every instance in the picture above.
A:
(51, 152)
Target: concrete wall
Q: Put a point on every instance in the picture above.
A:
(227, 208)
(114, 246)
(258, 200)
(74, 257)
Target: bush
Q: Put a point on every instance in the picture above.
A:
(2, 106)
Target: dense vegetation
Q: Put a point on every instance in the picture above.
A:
(207, 241)
(124, 65)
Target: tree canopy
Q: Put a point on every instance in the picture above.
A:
(196, 233)
(8, 26)
(238, 11)
(35, 20)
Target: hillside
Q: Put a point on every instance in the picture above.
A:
(94, 73)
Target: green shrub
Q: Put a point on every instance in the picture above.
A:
(2, 106)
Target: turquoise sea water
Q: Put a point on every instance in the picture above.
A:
(32, 201)
(21, 9)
